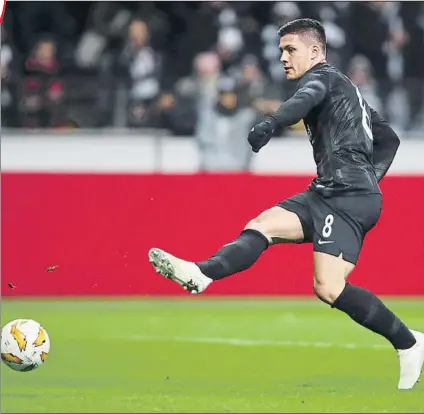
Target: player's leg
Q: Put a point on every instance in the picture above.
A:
(276, 225)
(286, 222)
(368, 310)
(337, 245)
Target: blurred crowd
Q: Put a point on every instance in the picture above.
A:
(208, 69)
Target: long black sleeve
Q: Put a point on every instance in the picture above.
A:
(311, 92)
(385, 144)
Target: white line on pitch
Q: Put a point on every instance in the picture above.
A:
(257, 342)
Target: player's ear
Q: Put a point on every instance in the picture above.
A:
(315, 52)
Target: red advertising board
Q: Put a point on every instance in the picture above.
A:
(86, 234)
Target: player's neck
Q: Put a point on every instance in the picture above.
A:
(319, 62)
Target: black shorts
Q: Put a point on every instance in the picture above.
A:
(336, 225)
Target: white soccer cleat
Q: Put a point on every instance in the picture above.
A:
(185, 273)
(411, 363)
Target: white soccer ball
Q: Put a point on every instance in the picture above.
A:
(25, 345)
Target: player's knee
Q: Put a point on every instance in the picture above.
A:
(254, 224)
(328, 291)
(258, 224)
(330, 273)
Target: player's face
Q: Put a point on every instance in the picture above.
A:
(297, 55)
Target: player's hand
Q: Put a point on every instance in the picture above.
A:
(260, 135)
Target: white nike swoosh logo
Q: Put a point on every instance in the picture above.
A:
(325, 241)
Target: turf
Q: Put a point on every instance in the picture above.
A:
(200, 354)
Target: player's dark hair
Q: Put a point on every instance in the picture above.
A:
(310, 26)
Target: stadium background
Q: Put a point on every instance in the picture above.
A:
(110, 146)
(124, 127)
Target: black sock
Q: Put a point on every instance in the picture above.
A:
(370, 312)
(236, 256)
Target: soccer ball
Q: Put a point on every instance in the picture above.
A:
(25, 345)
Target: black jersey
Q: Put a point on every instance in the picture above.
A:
(353, 146)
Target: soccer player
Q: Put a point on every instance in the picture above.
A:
(353, 149)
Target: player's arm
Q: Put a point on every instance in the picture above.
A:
(386, 143)
(311, 92)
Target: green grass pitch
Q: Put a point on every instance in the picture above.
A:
(202, 354)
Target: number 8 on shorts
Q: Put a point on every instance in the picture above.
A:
(328, 222)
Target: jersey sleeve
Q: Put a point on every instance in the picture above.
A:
(311, 91)
(385, 144)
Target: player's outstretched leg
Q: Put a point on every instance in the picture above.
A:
(369, 311)
(234, 257)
